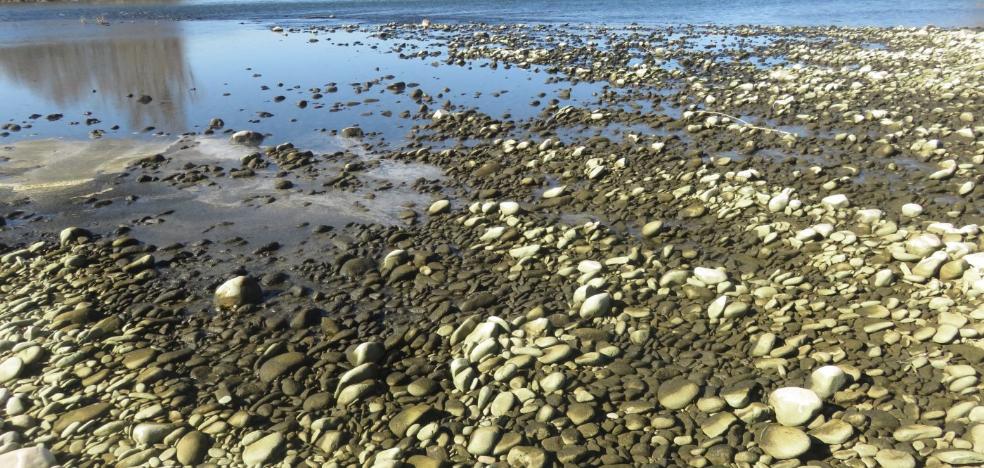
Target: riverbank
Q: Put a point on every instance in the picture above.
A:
(697, 245)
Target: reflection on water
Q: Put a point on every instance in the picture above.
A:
(118, 66)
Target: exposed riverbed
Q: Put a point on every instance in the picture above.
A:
(308, 243)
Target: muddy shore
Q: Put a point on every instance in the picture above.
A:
(741, 246)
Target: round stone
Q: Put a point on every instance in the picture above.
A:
(710, 275)
(10, 368)
(596, 305)
(794, 406)
(833, 432)
(482, 440)
(827, 380)
(238, 291)
(192, 447)
(890, 458)
(783, 442)
(264, 451)
(677, 393)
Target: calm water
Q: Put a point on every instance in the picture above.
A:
(785, 12)
(198, 70)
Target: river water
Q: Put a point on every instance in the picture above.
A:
(773, 12)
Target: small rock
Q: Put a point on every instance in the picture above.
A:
(280, 365)
(192, 447)
(833, 432)
(483, 439)
(246, 138)
(11, 368)
(265, 451)
(794, 406)
(710, 276)
(827, 380)
(28, 457)
(782, 442)
(890, 458)
(352, 132)
(438, 207)
(596, 305)
(238, 291)
(677, 393)
(652, 228)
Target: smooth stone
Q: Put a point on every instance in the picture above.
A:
(331, 441)
(554, 192)
(10, 368)
(247, 138)
(28, 457)
(891, 458)
(264, 451)
(483, 439)
(527, 457)
(509, 208)
(192, 448)
(553, 382)
(833, 432)
(794, 406)
(718, 424)
(438, 207)
(911, 432)
(596, 305)
(911, 210)
(280, 365)
(69, 234)
(710, 276)
(652, 228)
(580, 413)
(370, 351)
(151, 433)
(238, 291)
(782, 442)
(423, 387)
(406, 418)
(81, 415)
(502, 404)
(827, 380)
(835, 202)
(677, 393)
(960, 457)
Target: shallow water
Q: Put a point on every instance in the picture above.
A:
(196, 71)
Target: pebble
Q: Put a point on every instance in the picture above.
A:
(596, 305)
(279, 365)
(238, 291)
(10, 368)
(890, 458)
(794, 406)
(192, 447)
(783, 442)
(709, 275)
(827, 380)
(264, 451)
(483, 439)
(28, 457)
(677, 393)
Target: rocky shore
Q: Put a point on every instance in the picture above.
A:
(757, 246)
